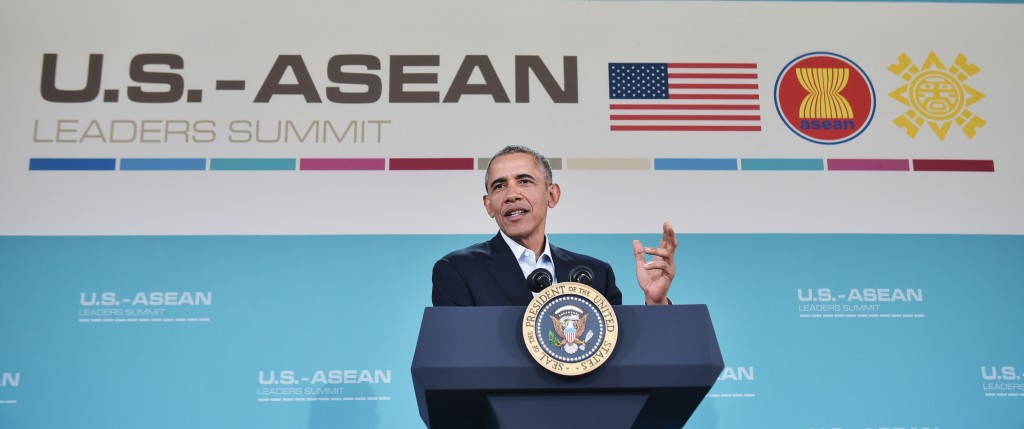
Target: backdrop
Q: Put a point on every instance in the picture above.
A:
(225, 214)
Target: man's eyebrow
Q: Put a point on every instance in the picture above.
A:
(502, 180)
(498, 181)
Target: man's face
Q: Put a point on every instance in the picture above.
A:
(518, 198)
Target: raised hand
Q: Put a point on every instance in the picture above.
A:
(655, 276)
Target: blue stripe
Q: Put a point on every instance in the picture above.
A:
(163, 164)
(784, 164)
(695, 164)
(72, 164)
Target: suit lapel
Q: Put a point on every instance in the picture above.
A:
(504, 269)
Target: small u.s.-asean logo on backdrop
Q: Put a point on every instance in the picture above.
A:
(825, 98)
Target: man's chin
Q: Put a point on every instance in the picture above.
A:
(517, 234)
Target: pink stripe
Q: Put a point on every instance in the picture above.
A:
(432, 164)
(332, 164)
(869, 164)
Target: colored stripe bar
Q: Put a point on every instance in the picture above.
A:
(252, 164)
(954, 165)
(609, 163)
(341, 164)
(718, 164)
(163, 164)
(72, 164)
(783, 164)
(869, 164)
(431, 163)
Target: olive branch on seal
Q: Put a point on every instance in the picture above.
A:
(554, 340)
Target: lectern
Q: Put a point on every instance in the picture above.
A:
(472, 370)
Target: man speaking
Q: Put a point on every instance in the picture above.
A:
(520, 191)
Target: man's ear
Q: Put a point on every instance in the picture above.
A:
(554, 193)
(487, 206)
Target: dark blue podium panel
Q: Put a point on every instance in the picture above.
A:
(471, 369)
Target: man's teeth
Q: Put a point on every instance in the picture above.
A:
(516, 212)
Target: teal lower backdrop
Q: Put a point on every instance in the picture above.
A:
(817, 331)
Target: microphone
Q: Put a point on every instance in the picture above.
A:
(582, 274)
(539, 279)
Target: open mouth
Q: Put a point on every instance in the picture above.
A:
(514, 213)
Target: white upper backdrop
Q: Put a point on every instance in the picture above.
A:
(242, 40)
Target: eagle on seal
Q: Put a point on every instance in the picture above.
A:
(570, 330)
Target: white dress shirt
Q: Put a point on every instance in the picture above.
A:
(528, 261)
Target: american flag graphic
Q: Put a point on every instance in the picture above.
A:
(684, 97)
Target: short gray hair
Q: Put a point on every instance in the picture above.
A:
(542, 161)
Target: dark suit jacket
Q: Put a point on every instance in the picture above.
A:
(488, 274)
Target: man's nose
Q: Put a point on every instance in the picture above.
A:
(512, 193)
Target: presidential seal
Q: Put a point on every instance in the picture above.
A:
(570, 328)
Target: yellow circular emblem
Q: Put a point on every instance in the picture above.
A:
(570, 328)
(937, 95)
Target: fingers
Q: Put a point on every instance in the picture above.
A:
(665, 267)
(638, 252)
(665, 251)
(668, 237)
(659, 265)
(659, 252)
(667, 248)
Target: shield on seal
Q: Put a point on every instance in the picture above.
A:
(570, 332)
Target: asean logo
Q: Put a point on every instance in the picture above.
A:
(825, 98)
(937, 96)
(570, 328)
